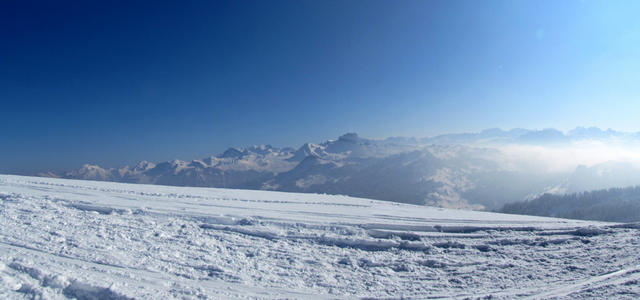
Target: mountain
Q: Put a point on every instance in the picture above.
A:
(469, 170)
(547, 136)
(614, 205)
(609, 174)
(603, 176)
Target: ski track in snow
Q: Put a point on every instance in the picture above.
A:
(64, 239)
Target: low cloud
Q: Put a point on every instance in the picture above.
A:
(566, 158)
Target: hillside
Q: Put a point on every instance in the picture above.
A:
(86, 239)
(614, 204)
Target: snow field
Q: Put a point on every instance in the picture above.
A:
(96, 240)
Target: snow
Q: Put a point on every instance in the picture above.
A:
(64, 238)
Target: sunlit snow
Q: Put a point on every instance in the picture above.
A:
(85, 239)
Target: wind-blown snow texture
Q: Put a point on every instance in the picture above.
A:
(87, 240)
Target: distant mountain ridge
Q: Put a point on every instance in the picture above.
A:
(454, 170)
(526, 136)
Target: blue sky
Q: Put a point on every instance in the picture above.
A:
(114, 82)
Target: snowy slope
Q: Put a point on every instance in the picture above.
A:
(81, 239)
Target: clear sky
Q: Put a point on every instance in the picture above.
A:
(114, 82)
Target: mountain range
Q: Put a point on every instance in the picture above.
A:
(467, 170)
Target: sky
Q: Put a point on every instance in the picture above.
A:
(115, 82)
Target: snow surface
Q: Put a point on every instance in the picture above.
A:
(99, 240)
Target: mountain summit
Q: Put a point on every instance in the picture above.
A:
(466, 170)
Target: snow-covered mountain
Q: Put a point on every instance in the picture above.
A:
(76, 239)
(471, 170)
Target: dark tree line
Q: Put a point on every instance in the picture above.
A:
(615, 204)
